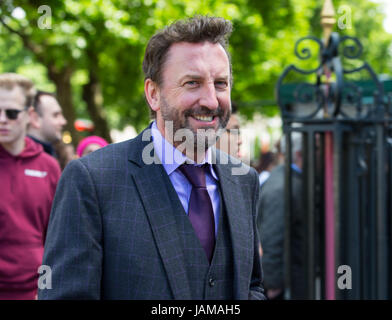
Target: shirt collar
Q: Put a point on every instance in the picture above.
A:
(296, 168)
(171, 158)
(48, 148)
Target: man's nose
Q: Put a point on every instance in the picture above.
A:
(3, 117)
(63, 121)
(209, 98)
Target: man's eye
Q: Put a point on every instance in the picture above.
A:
(191, 83)
(221, 84)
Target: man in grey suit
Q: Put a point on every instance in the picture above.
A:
(164, 215)
(271, 226)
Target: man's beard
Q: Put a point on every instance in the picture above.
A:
(196, 139)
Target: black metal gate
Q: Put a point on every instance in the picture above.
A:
(345, 118)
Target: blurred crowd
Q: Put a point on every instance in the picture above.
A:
(32, 156)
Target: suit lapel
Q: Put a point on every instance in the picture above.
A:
(239, 224)
(152, 183)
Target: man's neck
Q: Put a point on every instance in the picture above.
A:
(48, 148)
(180, 148)
(191, 152)
(15, 148)
(37, 136)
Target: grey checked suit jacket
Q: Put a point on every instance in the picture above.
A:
(112, 232)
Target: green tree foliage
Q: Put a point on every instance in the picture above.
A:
(92, 54)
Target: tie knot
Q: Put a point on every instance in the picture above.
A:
(195, 174)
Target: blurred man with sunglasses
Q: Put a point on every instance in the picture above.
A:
(28, 182)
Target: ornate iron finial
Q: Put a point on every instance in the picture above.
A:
(327, 19)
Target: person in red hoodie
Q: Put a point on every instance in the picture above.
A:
(28, 179)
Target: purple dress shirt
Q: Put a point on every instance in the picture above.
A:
(171, 159)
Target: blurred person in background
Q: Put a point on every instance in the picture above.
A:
(90, 144)
(28, 182)
(266, 163)
(271, 225)
(65, 153)
(47, 121)
(230, 141)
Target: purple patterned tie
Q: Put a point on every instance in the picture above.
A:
(200, 210)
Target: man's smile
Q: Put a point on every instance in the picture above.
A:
(204, 118)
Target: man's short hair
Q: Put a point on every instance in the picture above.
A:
(195, 30)
(36, 100)
(9, 81)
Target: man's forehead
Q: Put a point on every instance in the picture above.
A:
(198, 49)
(49, 102)
(187, 56)
(205, 45)
(15, 96)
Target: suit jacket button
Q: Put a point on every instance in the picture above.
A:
(211, 282)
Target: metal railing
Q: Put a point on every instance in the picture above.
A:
(345, 230)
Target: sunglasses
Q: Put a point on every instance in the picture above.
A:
(12, 114)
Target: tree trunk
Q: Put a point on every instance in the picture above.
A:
(62, 80)
(92, 95)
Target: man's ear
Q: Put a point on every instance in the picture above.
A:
(35, 119)
(152, 92)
